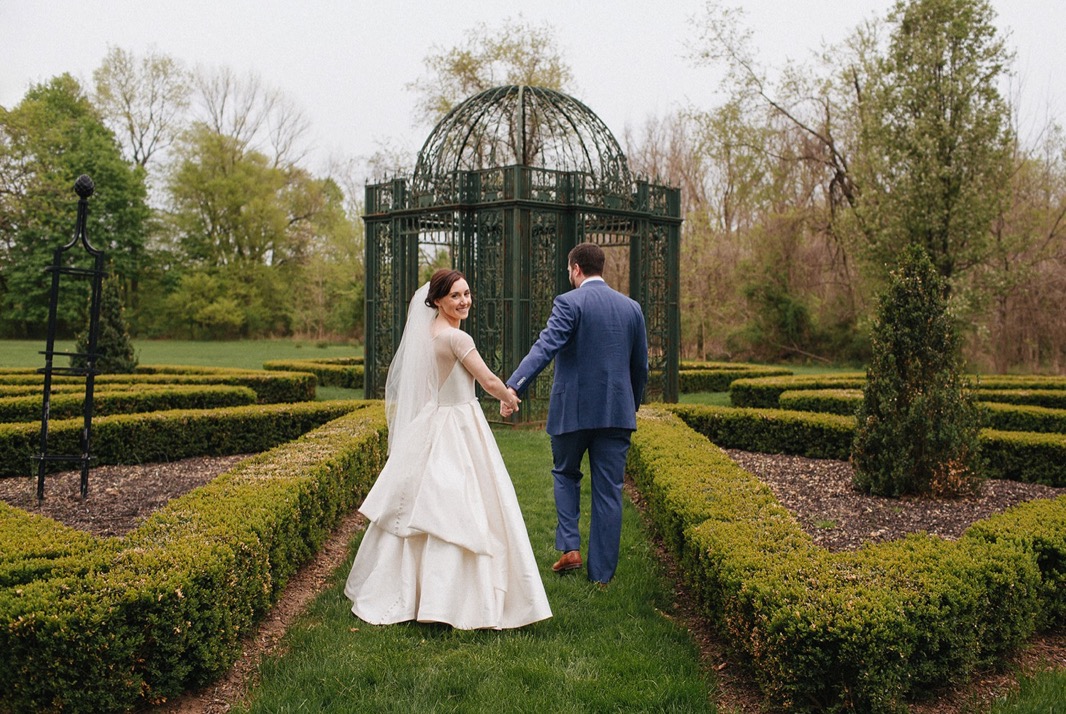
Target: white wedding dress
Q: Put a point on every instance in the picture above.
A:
(446, 542)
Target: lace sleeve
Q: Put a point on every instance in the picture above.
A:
(461, 343)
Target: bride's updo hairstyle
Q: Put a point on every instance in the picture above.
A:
(441, 284)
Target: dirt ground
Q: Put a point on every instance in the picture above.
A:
(817, 491)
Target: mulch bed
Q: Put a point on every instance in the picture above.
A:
(119, 497)
(819, 493)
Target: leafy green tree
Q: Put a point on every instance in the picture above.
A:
(326, 285)
(114, 348)
(47, 141)
(267, 232)
(225, 202)
(515, 52)
(935, 160)
(918, 423)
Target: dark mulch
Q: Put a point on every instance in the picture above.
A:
(119, 497)
(817, 491)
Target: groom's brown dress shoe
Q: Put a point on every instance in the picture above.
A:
(571, 560)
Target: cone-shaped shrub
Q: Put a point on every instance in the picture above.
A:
(114, 349)
(917, 425)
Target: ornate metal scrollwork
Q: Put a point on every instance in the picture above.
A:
(507, 183)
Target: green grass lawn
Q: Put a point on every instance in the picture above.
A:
(613, 649)
(244, 354)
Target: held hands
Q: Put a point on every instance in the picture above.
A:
(509, 406)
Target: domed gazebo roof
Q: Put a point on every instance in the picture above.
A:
(522, 125)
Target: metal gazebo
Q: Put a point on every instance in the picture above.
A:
(504, 186)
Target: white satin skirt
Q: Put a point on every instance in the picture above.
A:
(446, 541)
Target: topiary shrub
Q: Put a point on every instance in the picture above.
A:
(114, 350)
(917, 424)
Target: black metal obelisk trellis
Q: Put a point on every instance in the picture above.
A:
(84, 188)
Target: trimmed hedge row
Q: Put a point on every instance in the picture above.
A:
(1011, 455)
(995, 415)
(763, 392)
(270, 387)
(717, 376)
(1012, 417)
(857, 631)
(1048, 398)
(344, 372)
(70, 405)
(117, 623)
(168, 435)
(827, 401)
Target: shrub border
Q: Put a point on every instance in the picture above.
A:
(1012, 455)
(144, 618)
(851, 631)
(346, 372)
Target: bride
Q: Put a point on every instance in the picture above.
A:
(446, 540)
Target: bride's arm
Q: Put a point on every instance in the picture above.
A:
(489, 381)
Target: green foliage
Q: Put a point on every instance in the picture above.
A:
(1011, 417)
(168, 435)
(49, 139)
(114, 349)
(857, 631)
(781, 322)
(764, 392)
(125, 622)
(1047, 398)
(256, 247)
(142, 100)
(345, 372)
(718, 376)
(830, 401)
(516, 52)
(67, 405)
(1014, 456)
(935, 161)
(773, 431)
(917, 423)
(1037, 526)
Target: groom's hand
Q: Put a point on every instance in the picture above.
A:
(507, 408)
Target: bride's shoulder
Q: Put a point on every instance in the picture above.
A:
(459, 340)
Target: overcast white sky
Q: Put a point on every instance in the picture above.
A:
(346, 64)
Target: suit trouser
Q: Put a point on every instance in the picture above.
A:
(607, 450)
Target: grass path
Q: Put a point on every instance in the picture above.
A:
(613, 649)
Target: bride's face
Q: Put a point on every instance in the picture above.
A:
(456, 304)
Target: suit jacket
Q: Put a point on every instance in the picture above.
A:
(600, 345)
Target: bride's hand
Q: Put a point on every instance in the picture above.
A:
(509, 407)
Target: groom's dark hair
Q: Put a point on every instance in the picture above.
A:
(589, 257)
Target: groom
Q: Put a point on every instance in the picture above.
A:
(598, 340)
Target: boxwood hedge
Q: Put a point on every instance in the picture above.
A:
(859, 631)
(69, 405)
(346, 372)
(270, 387)
(102, 625)
(168, 435)
(1017, 456)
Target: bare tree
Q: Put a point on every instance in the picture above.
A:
(144, 100)
(251, 113)
(517, 52)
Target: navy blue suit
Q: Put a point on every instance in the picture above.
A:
(598, 340)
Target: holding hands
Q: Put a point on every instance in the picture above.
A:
(510, 405)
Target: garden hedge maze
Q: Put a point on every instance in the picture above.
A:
(97, 625)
